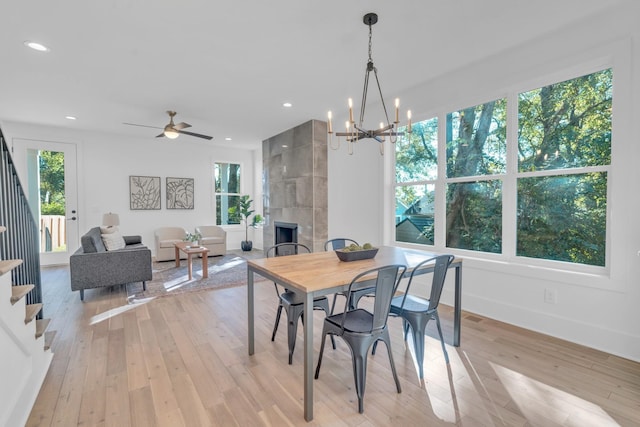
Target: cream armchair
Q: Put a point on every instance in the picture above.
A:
(165, 238)
(213, 238)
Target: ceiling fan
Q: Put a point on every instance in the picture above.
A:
(172, 130)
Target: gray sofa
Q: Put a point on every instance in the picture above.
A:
(93, 266)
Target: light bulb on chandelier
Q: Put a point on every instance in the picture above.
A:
(355, 132)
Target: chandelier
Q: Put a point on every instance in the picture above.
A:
(354, 132)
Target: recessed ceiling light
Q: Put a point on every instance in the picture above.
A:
(36, 46)
(228, 138)
(287, 105)
(285, 146)
(70, 117)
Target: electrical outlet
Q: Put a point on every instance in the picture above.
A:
(550, 296)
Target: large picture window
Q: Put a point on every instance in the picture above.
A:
(227, 192)
(554, 192)
(564, 150)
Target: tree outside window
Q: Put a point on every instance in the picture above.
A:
(564, 150)
(227, 192)
(416, 173)
(476, 150)
(559, 184)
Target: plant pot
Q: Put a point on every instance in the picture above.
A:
(246, 245)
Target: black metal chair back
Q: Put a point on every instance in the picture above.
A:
(289, 248)
(361, 328)
(417, 311)
(338, 243)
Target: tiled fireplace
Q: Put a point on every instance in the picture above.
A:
(295, 183)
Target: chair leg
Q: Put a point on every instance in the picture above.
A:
(418, 328)
(324, 305)
(144, 285)
(387, 343)
(355, 299)
(275, 326)
(444, 349)
(324, 338)
(293, 313)
(333, 304)
(360, 375)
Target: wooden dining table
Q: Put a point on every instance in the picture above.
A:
(322, 273)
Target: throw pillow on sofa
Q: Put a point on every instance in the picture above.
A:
(112, 238)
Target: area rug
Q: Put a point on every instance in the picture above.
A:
(224, 272)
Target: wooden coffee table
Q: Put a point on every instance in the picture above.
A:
(189, 249)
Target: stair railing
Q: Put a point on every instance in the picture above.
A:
(20, 240)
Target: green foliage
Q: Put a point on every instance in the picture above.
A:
(192, 237)
(55, 208)
(52, 199)
(566, 124)
(563, 127)
(243, 211)
(417, 152)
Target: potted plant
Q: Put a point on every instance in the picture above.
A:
(193, 238)
(245, 211)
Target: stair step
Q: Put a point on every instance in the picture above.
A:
(48, 339)
(31, 311)
(8, 265)
(41, 326)
(19, 291)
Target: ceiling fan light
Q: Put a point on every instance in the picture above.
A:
(171, 133)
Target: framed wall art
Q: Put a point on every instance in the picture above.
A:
(144, 192)
(179, 193)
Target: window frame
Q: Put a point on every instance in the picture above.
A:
(216, 194)
(510, 177)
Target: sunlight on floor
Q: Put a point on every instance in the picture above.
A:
(116, 311)
(524, 391)
(227, 265)
(181, 281)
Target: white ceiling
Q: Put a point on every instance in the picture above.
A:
(227, 67)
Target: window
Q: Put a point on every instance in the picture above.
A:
(227, 192)
(416, 173)
(476, 164)
(564, 150)
(555, 196)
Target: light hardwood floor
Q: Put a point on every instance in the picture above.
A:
(182, 361)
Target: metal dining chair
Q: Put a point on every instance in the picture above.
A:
(290, 301)
(361, 328)
(340, 243)
(416, 312)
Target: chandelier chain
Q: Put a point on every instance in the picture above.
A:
(370, 35)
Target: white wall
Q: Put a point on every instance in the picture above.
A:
(105, 163)
(600, 311)
(356, 192)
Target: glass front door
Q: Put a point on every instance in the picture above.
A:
(51, 189)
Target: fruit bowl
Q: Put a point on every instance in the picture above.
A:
(347, 256)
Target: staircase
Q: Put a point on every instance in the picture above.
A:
(25, 354)
(24, 347)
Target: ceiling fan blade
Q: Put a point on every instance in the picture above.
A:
(160, 136)
(144, 126)
(197, 135)
(182, 125)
